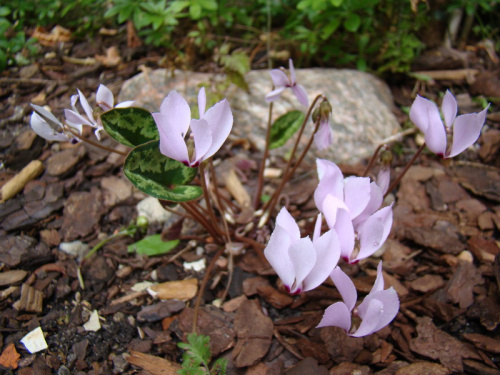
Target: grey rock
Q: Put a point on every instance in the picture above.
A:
(362, 104)
(152, 209)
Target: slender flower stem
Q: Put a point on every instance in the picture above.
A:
(206, 195)
(287, 177)
(400, 177)
(200, 219)
(95, 144)
(125, 232)
(286, 173)
(218, 200)
(256, 198)
(372, 160)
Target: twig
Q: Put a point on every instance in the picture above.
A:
(256, 198)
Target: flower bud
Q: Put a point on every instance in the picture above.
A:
(386, 157)
(142, 222)
(325, 109)
(315, 115)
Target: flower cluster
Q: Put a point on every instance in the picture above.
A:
(47, 126)
(208, 132)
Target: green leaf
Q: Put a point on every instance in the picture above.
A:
(130, 126)
(219, 366)
(237, 79)
(195, 11)
(159, 176)
(197, 350)
(152, 245)
(352, 22)
(284, 127)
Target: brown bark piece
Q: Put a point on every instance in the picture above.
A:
(427, 283)
(340, 346)
(436, 344)
(152, 364)
(461, 284)
(483, 342)
(308, 366)
(423, 368)
(254, 331)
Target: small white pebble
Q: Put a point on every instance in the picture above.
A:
(93, 323)
(35, 341)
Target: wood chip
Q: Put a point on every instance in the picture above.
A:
(152, 364)
(182, 289)
(19, 181)
(12, 277)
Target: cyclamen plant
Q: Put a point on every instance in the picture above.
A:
(168, 148)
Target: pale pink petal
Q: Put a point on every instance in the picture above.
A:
(378, 318)
(317, 227)
(425, 115)
(173, 123)
(291, 68)
(287, 222)
(301, 95)
(104, 98)
(330, 208)
(356, 194)
(280, 79)
(75, 119)
(275, 94)
(374, 312)
(449, 108)
(202, 102)
(276, 253)
(303, 257)
(345, 231)
(336, 315)
(323, 138)
(376, 199)
(379, 281)
(345, 287)
(86, 107)
(327, 249)
(374, 231)
(466, 131)
(384, 179)
(331, 182)
(44, 130)
(125, 104)
(220, 122)
(202, 140)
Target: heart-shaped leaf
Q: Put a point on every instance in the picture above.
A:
(159, 176)
(152, 245)
(130, 126)
(284, 127)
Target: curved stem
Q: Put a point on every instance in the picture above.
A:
(95, 144)
(260, 183)
(206, 195)
(401, 175)
(372, 160)
(275, 195)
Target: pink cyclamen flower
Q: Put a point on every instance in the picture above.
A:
(464, 128)
(301, 263)
(209, 132)
(281, 81)
(351, 207)
(104, 99)
(47, 126)
(376, 311)
(323, 138)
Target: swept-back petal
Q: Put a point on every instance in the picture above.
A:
(275, 94)
(303, 257)
(202, 140)
(277, 254)
(374, 231)
(425, 115)
(220, 122)
(327, 248)
(345, 287)
(287, 222)
(466, 131)
(336, 315)
(86, 107)
(331, 182)
(125, 104)
(379, 281)
(173, 123)
(323, 138)
(44, 130)
(104, 98)
(371, 319)
(449, 108)
(384, 179)
(202, 101)
(75, 119)
(280, 79)
(377, 318)
(376, 199)
(291, 68)
(356, 194)
(301, 94)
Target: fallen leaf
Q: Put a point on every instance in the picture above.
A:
(9, 357)
(182, 289)
(111, 59)
(152, 364)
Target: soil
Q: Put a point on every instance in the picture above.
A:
(442, 256)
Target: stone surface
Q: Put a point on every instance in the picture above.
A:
(361, 104)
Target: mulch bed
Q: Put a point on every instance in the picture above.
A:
(442, 258)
